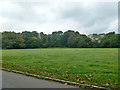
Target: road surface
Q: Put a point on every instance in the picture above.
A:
(13, 80)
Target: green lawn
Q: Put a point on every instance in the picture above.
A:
(95, 66)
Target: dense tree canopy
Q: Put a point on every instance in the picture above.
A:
(70, 39)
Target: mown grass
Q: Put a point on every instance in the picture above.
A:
(94, 66)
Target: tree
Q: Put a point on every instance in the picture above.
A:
(69, 39)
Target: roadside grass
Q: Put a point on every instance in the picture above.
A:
(93, 66)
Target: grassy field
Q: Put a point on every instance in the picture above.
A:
(94, 66)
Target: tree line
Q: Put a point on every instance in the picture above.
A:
(58, 39)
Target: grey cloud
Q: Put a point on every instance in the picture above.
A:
(102, 14)
(91, 18)
(23, 12)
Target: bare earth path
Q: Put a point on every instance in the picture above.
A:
(13, 80)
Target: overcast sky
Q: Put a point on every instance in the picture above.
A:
(85, 17)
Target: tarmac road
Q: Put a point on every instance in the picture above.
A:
(13, 80)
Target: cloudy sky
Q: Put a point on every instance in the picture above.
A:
(85, 17)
